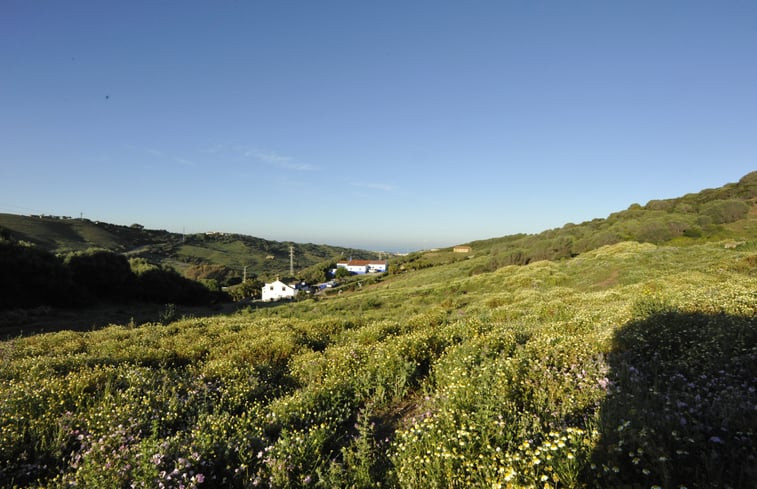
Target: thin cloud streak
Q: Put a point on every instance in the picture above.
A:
(375, 186)
(218, 148)
(278, 160)
(166, 156)
(184, 162)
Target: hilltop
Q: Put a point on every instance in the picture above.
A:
(221, 256)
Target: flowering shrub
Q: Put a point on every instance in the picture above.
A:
(629, 366)
(682, 407)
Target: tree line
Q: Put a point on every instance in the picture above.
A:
(31, 277)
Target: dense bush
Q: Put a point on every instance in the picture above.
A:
(723, 211)
(32, 277)
(102, 274)
(165, 285)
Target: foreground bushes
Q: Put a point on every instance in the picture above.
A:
(641, 385)
(32, 277)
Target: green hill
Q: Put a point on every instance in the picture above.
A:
(206, 255)
(625, 365)
(727, 212)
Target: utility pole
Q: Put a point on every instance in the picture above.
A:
(291, 261)
(244, 274)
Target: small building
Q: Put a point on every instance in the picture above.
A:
(462, 249)
(361, 267)
(278, 290)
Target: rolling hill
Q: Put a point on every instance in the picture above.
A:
(725, 213)
(205, 255)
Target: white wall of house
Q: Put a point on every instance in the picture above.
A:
(377, 267)
(363, 266)
(277, 290)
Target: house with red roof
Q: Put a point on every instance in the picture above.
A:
(361, 267)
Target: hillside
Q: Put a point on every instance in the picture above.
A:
(210, 255)
(628, 365)
(727, 212)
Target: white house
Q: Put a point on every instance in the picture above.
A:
(278, 290)
(363, 266)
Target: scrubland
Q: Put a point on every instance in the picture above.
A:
(631, 365)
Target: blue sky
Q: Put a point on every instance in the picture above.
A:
(380, 125)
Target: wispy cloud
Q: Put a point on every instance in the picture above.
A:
(162, 155)
(278, 160)
(218, 148)
(374, 185)
(184, 162)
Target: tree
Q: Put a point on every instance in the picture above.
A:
(342, 272)
(103, 274)
(251, 289)
(318, 272)
(164, 285)
(31, 277)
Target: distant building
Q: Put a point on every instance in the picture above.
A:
(361, 267)
(278, 290)
(462, 249)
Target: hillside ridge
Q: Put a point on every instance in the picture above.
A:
(716, 214)
(223, 254)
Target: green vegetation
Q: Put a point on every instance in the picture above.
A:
(33, 277)
(218, 256)
(630, 365)
(710, 215)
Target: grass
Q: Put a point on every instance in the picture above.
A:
(628, 366)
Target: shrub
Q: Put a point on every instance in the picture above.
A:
(167, 286)
(724, 211)
(102, 274)
(342, 272)
(32, 277)
(654, 232)
(660, 205)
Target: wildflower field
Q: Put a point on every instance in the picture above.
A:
(629, 366)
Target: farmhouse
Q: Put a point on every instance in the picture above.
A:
(361, 267)
(278, 290)
(462, 249)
